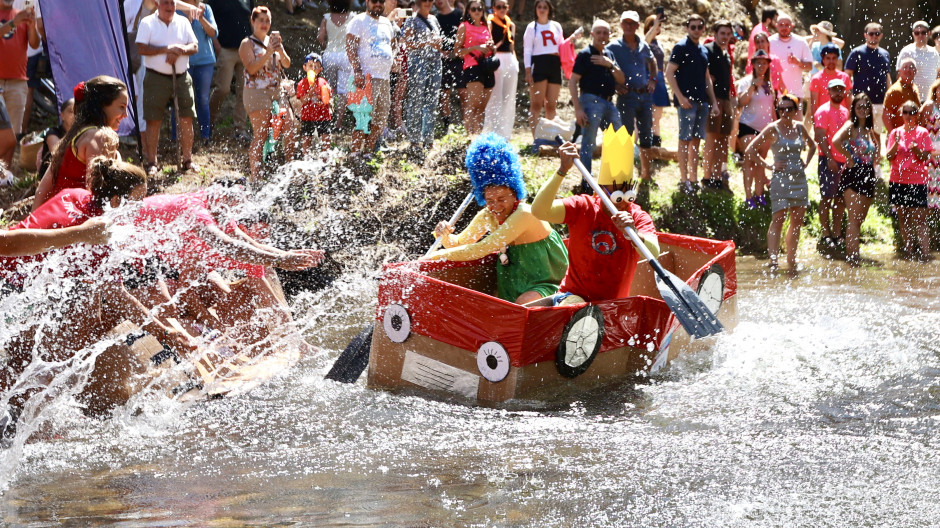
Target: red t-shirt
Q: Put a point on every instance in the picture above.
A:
(13, 46)
(906, 167)
(315, 109)
(820, 85)
(831, 118)
(68, 208)
(601, 259)
(185, 211)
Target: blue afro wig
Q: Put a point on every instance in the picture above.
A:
(491, 160)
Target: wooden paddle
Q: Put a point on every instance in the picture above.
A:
(355, 357)
(689, 308)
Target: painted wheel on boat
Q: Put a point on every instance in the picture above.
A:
(711, 288)
(493, 361)
(580, 342)
(397, 323)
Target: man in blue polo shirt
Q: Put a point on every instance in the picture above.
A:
(870, 68)
(688, 77)
(593, 82)
(635, 96)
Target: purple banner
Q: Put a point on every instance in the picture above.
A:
(86, 39)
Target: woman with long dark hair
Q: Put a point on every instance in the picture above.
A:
(474, 43)
(756, 98)
(100, 105)
(542, 61)
(860, 145)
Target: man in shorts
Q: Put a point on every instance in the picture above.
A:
(370, 39)
(720, 123)
(828, 119)
(635, 96)
(870, 68)
(17, 33)
(688, 78)
(165, 41)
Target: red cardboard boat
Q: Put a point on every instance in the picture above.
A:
(440, 330)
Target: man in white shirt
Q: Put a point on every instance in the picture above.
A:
(369, 46)
(794, 54)
(165, 41)
(925, 57)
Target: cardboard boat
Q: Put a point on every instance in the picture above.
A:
(441, 331)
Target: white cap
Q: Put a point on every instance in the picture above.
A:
(630, 15)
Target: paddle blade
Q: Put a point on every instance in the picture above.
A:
(354, 359)
(689, 308)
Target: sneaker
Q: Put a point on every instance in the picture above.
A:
(696, 187)
(750, 203)
(760, 200)
(687, 187)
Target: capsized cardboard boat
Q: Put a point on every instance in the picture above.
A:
(440, 329)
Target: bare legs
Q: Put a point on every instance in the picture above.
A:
(259, 128)
(688, 160)
(474, 105)
(542, 95)
(913, 224)
(793, 235)
(857, 206)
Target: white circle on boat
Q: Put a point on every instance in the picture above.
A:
(493, 361)
(580, 342)
(711, 288)
(397, 323)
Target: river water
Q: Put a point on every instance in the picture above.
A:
(820, 409)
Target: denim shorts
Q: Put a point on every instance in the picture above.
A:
(692, 121)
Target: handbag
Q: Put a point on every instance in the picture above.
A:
(488, 64)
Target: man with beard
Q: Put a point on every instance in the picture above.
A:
(830, 117)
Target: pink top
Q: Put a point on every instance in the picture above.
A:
(473, 36)
(906, 167)
(820, 84)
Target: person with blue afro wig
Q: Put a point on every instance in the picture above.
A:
(532, 256)
(491, 160)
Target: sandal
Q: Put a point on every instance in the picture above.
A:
(188, 166)
(151, 169)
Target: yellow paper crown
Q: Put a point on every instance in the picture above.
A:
(616, 157)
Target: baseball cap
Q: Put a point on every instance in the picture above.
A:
(630, 15)
(836, 82)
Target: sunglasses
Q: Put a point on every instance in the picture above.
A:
(697, 27)
(786, 108)
(921, 32)
(863, 107)
(501, 7)
(475, 9)
(909, 112)
(874, 33)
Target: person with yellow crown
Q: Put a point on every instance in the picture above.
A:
(533, 258)
(601, 258)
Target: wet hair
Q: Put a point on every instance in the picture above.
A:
(466, 12)
(491, 160)
(109, 178)
(258, 11)
(869, 121)
(551, 9)
(768, 13)
(339, 6)
(91, 98)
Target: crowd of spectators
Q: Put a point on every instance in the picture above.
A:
(396, 67)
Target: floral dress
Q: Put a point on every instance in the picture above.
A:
(933, 164)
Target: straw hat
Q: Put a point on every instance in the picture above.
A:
(824, 27)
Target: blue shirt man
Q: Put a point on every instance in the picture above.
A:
(688, 76)
(635, 95)
(593, 82)
(870, 68)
